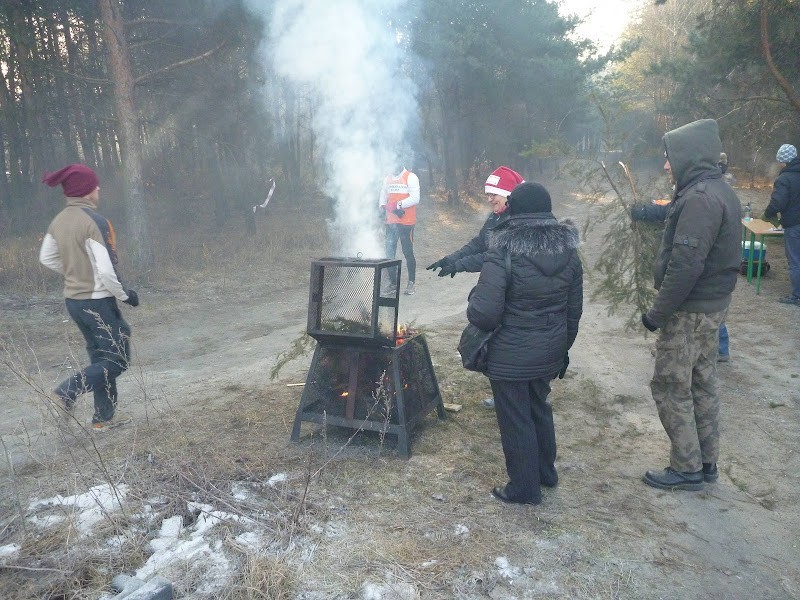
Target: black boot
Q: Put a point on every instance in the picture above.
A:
(710, 473)
(670, 479)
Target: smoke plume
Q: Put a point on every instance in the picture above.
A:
(352, 57)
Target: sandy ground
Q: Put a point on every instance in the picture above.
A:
(736, 539)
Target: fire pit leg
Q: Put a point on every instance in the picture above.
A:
(352, 385)
(304, 397)
(341, 377)
(403, 445)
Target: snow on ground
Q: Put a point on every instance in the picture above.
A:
(89, 508)
(179, 549)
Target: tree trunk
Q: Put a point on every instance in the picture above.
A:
(791, 93)
(76, 97)
(62, 93)
(449, 150)
(121, 74)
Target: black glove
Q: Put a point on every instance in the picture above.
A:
(648, 323)
(399, 212)
(439, 264)
(133, 298)
(448, 269)
(563, 370)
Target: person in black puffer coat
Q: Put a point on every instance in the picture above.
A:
(538, 308)
(785, 199)
(469, 258)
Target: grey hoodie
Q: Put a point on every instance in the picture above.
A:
(697, 265)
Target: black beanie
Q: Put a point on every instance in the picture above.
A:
(529, 197)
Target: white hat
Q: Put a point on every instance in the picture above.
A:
(786, 153)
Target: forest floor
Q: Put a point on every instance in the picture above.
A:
(336, 516)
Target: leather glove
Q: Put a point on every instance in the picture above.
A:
(399, 212)
(439, 264)
(563, 370)
(133, 298)
(448, 269)
(648, 323)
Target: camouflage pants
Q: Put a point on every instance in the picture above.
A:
(684, 387)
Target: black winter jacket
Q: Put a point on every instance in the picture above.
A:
(541, 305)
(470, 257)
(698, 262)
(785, 197)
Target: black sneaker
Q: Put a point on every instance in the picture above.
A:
(790, 300)
(65, 404)
(670, 479)
(710, 473)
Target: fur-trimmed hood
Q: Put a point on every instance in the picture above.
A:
(547, 242)
(531, 234)
(538, 305)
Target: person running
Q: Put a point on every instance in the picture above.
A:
(80, 245)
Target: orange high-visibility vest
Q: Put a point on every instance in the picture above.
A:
(397, 190)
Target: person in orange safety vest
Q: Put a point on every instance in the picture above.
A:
(399, 198)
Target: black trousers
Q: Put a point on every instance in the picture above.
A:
(528, 436)
(107, 338)
(404, 233)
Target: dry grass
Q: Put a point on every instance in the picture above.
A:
(426, 524)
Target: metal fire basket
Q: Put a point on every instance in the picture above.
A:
(363, 375)
(354, 300)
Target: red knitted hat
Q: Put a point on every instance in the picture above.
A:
(502, 181)
(77, 180)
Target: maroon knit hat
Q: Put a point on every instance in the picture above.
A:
(77, 180)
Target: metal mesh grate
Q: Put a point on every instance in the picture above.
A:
(353, 299)
(346, 305)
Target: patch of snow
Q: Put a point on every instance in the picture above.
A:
(172, 527)
(45, 521)
(91, 507)
(428, 563)
(252, 541)
(399, 590)
(505, 568)
(172, 550)
(240, 492)
(277, 478)
(9, 550)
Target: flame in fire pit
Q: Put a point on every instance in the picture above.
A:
(404, 332)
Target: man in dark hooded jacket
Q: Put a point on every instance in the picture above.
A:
(785, 199)
(537, 308)
(695, 274)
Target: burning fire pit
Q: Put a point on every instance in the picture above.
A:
(365, 373)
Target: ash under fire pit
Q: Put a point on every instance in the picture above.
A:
(365, 374)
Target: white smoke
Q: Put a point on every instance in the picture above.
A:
(351, 56)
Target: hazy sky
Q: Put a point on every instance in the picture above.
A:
(606, 18)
